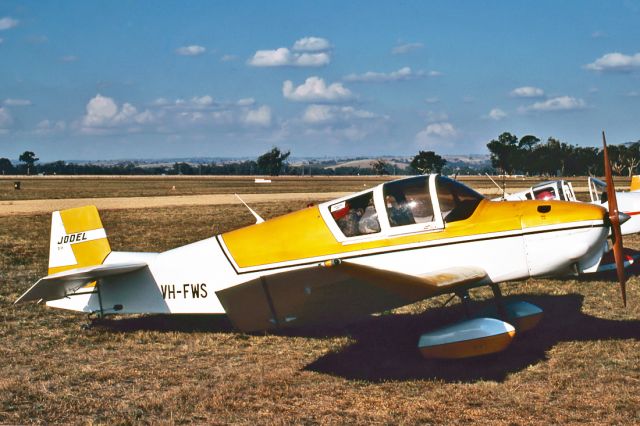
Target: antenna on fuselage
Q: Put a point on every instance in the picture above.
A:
(256, 215)
(503, 188)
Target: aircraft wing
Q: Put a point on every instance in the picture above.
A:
(57, 286)
(333, 293)
(436, 281)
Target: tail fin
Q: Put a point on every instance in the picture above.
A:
(635, 183)
(77, 239)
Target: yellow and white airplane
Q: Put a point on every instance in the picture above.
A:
(385, 247)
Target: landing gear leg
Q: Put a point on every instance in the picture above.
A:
(94, 316)
(465, 299)
(497, 296)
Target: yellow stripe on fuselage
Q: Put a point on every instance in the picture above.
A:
(304, 234)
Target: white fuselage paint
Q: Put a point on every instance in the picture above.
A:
(185, 279)
(629, 203)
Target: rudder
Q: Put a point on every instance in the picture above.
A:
(78, 239)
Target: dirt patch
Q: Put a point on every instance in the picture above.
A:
(22, 207)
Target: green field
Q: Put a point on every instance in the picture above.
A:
(581, 365)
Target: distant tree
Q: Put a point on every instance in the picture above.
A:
(381, 167)
(583, 161)
(523, 160)
(427, 162)
(28, 158)
(271, 162)
(183, 169)
(632, 159)
(6, 167)
(504, 152)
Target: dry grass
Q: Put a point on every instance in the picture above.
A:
(55, 187)
(48, 187)
(581, 365)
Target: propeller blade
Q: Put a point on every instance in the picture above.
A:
(614, 219)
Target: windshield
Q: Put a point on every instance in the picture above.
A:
(408, 201)
(457, 201)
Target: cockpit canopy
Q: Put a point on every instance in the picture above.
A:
(551, 190)
(597, 190)
(402, 206)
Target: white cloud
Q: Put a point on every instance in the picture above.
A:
(560, 103)
(222, 118)
(317, 114)
(314, 89)
(311, 44)
(306, 52)
(436, 135)
(8, 22)
(406, 48)
(615, 62)
(102, 112)
(228, 58)
(258, 117)
(193, 50)
(527, 92)
(195, 103)
(323, 114)
(435, 116)
(202, 101)
(6, 120)
(161, 102)
(48, 127)
(443, 130)
(246, 102)
(497, 114)
(271, 58)
(402, 74)
(598, 34)
(284, 57)
(17, 102)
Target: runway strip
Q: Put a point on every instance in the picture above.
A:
(25, 207)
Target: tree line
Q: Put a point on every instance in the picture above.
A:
(528, 155)
(273, 163)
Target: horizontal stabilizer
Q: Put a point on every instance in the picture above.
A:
(57, 286)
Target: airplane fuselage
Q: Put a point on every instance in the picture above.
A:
(509, 240)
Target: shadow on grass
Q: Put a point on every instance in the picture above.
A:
(187, 323)
(386, 347)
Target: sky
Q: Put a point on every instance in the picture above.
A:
(94, 80)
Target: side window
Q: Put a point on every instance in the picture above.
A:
(457, 202)
(356, 216)
(408, 201)
(546, 193)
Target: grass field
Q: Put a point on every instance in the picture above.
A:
(55, 187)
(581, 365)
